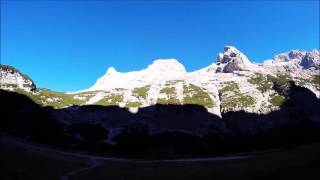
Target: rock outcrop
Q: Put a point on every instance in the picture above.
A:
(232, 60)
(11, 79)
(311, 59)
(291, 55)
(295, 60)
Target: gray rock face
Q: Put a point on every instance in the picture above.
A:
(311, 59)
(300, 58)
(234, 65)
(232, 60)
(291, 55)
(11, 79)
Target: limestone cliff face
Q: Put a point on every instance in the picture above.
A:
(11, 79)
(294, 61)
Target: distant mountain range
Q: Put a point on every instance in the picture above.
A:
(231, 105)
(232, 83)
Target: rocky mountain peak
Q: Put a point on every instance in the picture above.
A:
(111, 70)
(161, 70)
(231, 59)
(166, 65)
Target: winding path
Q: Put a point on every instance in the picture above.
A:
(92, 164)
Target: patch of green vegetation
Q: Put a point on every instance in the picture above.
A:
(35, 97)
(141, 91)
(301, 82)
(64, 99)
(27, 85)
(277, 100)
(280, 83)
(133, 104)
(195, 95)
(171, 96)
(279, 80)
(162, 101)
(262, 82)
(230, 87)
(86, 94)
(46, 97)
(110, 100)
(9, 86)
(168, 90)
(171, 100)
(316, 80)
(237, 99)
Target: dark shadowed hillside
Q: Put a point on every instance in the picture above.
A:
(163, 130)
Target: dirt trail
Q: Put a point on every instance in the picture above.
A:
(92, 164)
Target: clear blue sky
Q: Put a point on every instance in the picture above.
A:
(67, 45)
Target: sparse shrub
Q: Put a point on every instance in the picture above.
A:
(112, 99)
(168, 90)
(262, 82)
(316, 80)
(133, 104)
(141, 91)
(195, 95)
(232, 97)
(277, 100)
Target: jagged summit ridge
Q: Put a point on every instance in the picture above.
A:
(290, 55)
(162, 70)
(231, 60)
(294, 61)
(299, 56)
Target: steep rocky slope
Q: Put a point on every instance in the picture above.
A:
(232, 83)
